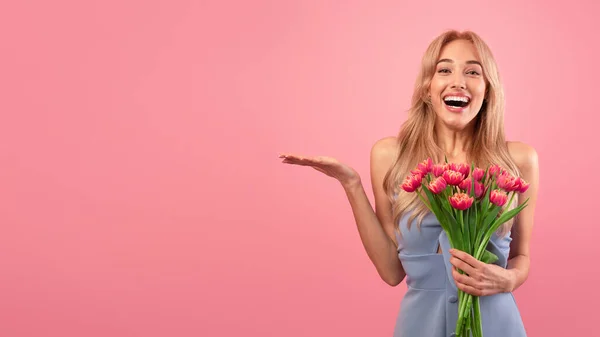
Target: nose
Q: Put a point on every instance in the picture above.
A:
(459, 81)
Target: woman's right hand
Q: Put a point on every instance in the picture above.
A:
(346, 175)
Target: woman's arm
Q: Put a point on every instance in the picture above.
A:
(376, 227)
(526, 159)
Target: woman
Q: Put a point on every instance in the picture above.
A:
(457, 112)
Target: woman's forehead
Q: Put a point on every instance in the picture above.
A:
(459, 51)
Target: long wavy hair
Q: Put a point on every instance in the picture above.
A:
(417, 137)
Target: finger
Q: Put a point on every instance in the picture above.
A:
(306, 160)
(462, 265)
(296, 160)
(470, 290)
(319, 169)
(472, 261)
(465, 279)
(312, 164)
(297, 157)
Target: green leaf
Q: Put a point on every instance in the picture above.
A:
(486, 225)
(473, 226)
(466, 232)
(446, 204)
(491, 216)
(485, 203)
(484, 180)
(508, 215)
(435, 207)
(445, 218)
(492, 227)
(488, 257)
(431, 198)
(454, 231)
(427, 203)
(477, 215)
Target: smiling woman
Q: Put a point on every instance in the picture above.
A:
(457, 113)
(458, 87)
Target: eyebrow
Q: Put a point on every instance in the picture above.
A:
(468, 62)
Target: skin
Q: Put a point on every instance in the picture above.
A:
(453, 132)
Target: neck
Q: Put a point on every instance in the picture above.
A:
(455, 143)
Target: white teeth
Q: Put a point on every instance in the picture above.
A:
(456, 98)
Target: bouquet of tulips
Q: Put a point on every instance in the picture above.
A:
(470, 204)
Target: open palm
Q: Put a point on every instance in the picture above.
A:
(328, 165)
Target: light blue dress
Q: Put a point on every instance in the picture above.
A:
(430, 306)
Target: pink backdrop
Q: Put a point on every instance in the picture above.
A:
(141, 190)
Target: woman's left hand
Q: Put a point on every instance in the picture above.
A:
(479, 278)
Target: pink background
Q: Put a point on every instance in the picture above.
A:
(141, 190)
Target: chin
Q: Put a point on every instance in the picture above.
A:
(455, 122)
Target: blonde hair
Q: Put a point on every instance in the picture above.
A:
(416, 139)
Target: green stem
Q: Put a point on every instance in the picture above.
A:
(483, 242)
(467, 226)
(511, 199)
(477, 324)
(468, 325)
(464, 307)
(465, 232)
(423, 199)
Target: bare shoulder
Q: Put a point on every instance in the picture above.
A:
(524, 155)
(384, 149)
(383, 155)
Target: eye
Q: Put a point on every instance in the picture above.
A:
(473, 72)
(444, 71)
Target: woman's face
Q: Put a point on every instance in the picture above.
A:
(458, 87)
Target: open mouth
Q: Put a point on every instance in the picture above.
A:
(457, 101)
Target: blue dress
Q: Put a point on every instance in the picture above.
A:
(430, 305)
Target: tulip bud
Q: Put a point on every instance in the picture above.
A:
(461, 201)
(498, 197)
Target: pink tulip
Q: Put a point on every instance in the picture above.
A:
(437, 185)
(417, 171)
(461, 201)
(479, 189)
(495, 170)
(453, 177)
(466, 185)
(425, 166)
(498, 197)
(478, 174)
(523, 185)
(439, 169)
(507, 182)
(462, 168)
(412, 182)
